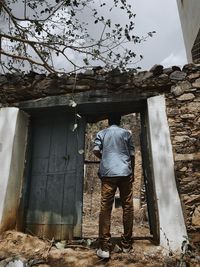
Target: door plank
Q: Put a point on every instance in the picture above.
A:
(58, 146)
(53, 199)
(35, 212)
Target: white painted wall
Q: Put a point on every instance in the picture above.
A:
(172, 225)
(13, 139)
(189, 12)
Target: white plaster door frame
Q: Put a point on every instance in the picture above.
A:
(13, 141)
(172, 225)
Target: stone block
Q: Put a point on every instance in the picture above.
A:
(157, 69)
(186, 97)
(196, 83)
(182, 138)
(89, 72)
(173, 111)
(168, 71)
(187, 116)
(192, 199)
(183, 169)
(177, 75)
(193, 76)
(176, 90)
(187, 157)
(180, 88)
(196, 217)
(192, 107)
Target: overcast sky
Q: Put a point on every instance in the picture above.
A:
(167, 45)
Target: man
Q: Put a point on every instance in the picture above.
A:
(114, 146)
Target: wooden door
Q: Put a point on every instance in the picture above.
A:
(56, 177)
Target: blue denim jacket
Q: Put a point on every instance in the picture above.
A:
(116, 147)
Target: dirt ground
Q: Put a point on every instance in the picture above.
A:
(82, 253)
(44, 253)
(37, 252)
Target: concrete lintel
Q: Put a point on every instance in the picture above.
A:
(172, 225)
(84, 99)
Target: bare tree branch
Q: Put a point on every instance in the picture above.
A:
(8, 11)
(55, 29)
(46, 66)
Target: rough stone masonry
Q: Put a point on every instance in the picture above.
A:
(182, 92)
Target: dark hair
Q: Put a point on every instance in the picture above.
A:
(114, 118)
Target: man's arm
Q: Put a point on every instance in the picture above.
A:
(132, 153)
(98, 146)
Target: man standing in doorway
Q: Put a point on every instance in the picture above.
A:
(114, 147)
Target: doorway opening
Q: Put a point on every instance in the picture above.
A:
(157, 163)
(92, 185)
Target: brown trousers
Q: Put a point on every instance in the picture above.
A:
(109, 186)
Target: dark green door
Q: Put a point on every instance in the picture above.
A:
(55, 188)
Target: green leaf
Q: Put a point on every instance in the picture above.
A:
(85, 60)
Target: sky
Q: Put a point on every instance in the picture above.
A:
(166, 47)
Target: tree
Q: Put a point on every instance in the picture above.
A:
(56, 36)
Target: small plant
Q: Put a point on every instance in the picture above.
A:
(186, 251)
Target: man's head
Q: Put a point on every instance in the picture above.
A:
(114, 118)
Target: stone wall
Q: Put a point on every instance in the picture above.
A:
(183, 109)
(182, 91)
(20, 87)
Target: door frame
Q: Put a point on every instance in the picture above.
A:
(93, 116)
(95, 106)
